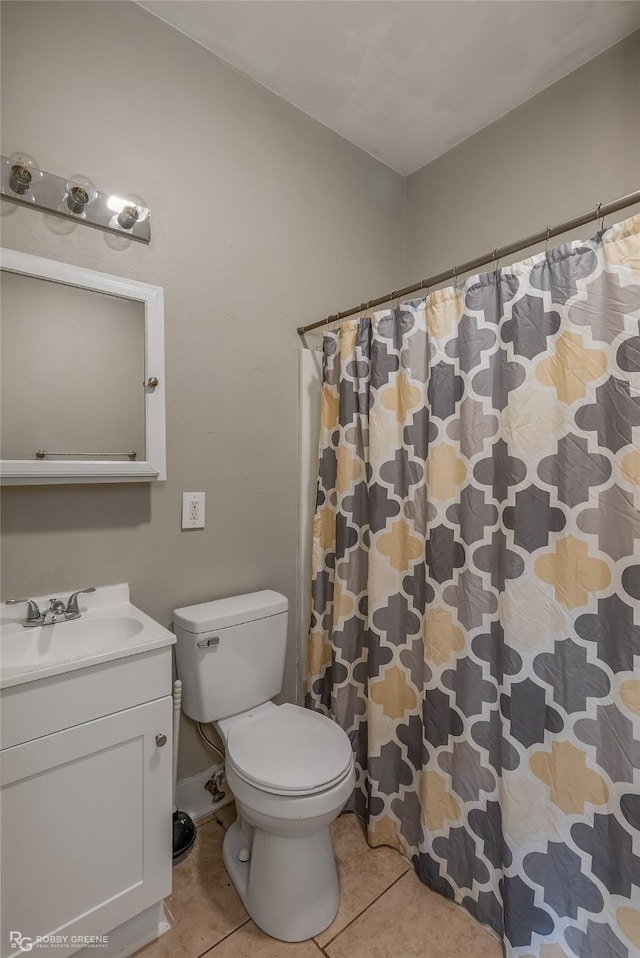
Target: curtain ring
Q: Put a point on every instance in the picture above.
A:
(455, 277)
(496, 268)
(546, 242)
(598, 208)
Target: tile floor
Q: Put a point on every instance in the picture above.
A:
(385, 912)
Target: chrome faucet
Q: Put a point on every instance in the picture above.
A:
(58, 610)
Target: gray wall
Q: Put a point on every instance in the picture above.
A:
(262, 220)
(561, 153)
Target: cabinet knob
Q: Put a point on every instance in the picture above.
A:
(161, 739)
(152, 382)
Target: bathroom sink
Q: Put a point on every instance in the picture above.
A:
(64, 641)
(110, 627)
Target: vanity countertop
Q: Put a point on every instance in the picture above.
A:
(109, 628)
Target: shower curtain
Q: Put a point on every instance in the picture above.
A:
(476, 590)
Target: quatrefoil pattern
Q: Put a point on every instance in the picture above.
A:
(475, 624)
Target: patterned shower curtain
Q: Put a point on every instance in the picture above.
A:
(476, 590)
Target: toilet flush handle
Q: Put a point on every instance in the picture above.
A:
(209, 643)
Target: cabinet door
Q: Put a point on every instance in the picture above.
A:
(86, 827)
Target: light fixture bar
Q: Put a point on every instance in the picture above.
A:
(52, 194)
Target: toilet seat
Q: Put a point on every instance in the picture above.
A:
(288, 750)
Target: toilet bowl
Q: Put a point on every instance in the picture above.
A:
(289, 769)
(285, 805)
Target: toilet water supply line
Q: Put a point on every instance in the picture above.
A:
(216, 780)
(177, 706)
(209, 742)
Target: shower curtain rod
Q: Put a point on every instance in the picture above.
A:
(601, 210)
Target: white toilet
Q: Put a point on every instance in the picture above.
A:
(290, 769)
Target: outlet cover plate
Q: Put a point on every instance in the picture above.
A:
(193, 510)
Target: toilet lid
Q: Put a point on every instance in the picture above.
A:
(289, 749)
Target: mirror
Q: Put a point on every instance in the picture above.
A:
(81, 384)
(72, 372)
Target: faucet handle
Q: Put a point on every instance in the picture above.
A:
(33, 612)
(72, 602)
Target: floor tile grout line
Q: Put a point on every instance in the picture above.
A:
(361, 913)
(211, 948)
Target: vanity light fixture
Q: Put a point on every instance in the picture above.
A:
(75, 198)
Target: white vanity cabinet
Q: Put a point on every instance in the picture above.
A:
(86, 803)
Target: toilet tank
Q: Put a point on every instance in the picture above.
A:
(230, 653)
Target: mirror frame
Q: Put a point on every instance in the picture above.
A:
(153, 466)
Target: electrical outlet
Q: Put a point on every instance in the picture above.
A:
(193, 510)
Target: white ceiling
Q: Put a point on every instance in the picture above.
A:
(404, 80)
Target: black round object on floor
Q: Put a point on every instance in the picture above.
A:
(184, 834)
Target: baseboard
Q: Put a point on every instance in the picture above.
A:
(129, 937)
(193, 798)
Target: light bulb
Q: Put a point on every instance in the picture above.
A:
(129, 210)
(80, 192)
(24, 172)
(128, 216)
